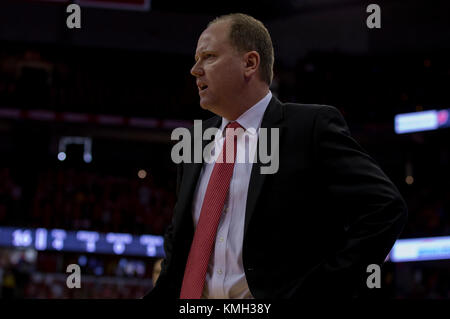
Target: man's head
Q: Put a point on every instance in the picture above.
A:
(234, 64)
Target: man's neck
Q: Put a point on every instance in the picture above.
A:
(250, 100)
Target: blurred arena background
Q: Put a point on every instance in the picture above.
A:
(86, 115)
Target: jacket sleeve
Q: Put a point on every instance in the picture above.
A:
(370, 206)
(164, 287)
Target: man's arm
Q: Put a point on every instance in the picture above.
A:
(371, 207)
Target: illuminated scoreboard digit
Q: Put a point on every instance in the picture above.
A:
(119, 241)
(22, 238)
(90, 238)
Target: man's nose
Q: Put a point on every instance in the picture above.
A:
(196, 70)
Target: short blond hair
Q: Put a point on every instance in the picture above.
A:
(249, 34)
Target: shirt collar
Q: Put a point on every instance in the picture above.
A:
(251, 119)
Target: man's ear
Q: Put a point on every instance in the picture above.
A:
(251, 60)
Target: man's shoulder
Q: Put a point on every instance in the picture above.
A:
(303, 116)
(308, 109)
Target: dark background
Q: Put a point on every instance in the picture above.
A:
(135, 64)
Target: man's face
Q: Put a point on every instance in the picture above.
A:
(219, 69)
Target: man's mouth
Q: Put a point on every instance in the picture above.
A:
(203, 87)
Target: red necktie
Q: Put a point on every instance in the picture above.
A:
(205, 233)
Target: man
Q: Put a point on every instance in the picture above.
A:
(310, 229)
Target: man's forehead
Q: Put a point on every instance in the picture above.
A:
(204, 41)
(214, 35)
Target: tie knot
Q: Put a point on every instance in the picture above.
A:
(233, 125)
(230, 128)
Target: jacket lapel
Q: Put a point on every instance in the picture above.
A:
(191, 172)
(271, 119)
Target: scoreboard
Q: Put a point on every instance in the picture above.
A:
(82, 241)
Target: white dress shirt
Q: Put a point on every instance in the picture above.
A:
(225, 277)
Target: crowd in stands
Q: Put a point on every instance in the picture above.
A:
(72, 199)
(37, 285)
(95, 82)
(75, 199)
(54, 287)
(150, 84)
(43, 281)
(429, 212)
(27, 274)
(418, 281)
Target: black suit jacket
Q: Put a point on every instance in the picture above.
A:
(312, 228)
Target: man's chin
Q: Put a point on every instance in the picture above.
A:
(207, 105)
(204, 105)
